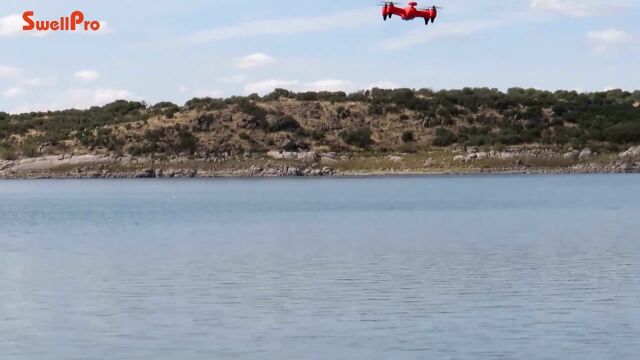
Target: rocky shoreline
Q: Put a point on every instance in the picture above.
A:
(311, 164)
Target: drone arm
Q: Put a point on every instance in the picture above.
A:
(427, 14)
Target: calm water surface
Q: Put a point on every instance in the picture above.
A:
(503, 267)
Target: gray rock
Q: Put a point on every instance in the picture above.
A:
(293, 171)
(272, 119)
(309, 157)
(145, 174)
(633, 152)
(571, 155)
(585, 154)
(429, 163)
(327, 161)
(627, 166)
(482, 155)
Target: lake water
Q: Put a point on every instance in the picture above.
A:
(485, 267)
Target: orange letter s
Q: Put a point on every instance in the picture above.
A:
(26, 16)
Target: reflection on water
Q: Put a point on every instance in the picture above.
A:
(402, 268)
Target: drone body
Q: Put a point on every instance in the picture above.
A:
(409, 13)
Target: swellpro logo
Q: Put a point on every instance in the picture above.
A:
(74, 22)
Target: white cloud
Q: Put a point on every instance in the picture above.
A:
(267, 86)
(234, 79)
(84, 98)
(10, 25)
(212, 93)
(105, 28)
(383, 85)
(329, 85)
(605, 40)
(284, 26)
(445, 30)
(14, 92)
(576, 8)
(9, 71)
(87, 75)
(254, 61)
(76, 98)
(580, 8)
(33, 81)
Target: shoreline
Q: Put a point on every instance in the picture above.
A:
(312, 164)
(186, 174)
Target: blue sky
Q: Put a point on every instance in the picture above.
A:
(170, 50)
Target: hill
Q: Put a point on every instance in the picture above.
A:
(365, 130)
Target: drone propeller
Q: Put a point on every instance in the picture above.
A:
(433, 7)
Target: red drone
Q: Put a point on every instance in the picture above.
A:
(409, 13)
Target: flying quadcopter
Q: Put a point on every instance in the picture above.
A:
(409, 13)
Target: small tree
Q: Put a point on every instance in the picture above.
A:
(407, 136)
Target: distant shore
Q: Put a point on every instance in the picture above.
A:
(312, 164)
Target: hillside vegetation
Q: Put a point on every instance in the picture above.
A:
(401, 120)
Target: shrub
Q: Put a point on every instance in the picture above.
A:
(444, 137)
(7, 152)
(186, 142)
(408, 136)
(317, 135)
(30, 147)
(625, 132)
(205, 104)
(358, 137)
(285, 123)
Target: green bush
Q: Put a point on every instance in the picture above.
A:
(285, 123)
(7, 152)
(30, 147)
(407, 136)
(358, 137)
(444, 137)
(625, 132)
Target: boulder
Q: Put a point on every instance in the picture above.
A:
(585, 154)
(145, 174)
(249, 122)
(274, 154)
(328, 161)
(571, 155)
(227, 117)
(482, 155)
(309, 156)
(327, 171)
(505, 155)
(633, 152)
(272, 119)
(289, 145)
(429, 163)
(395, 159)
(293, 171)
(459, 158)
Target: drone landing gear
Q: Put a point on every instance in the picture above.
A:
(426, 21)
